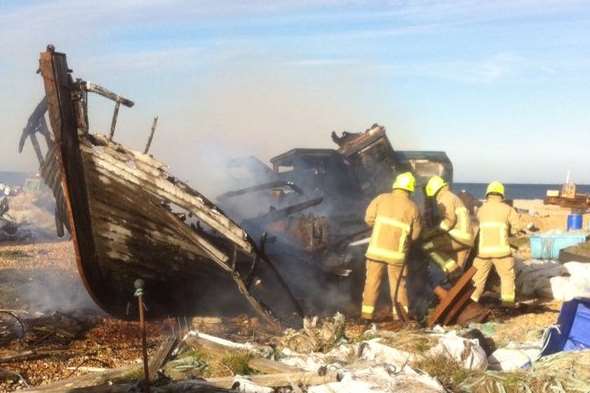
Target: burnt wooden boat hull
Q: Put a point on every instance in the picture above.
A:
(129, 219)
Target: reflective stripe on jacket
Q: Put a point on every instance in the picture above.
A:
(455, 217)
(496, 221)
(395, 219)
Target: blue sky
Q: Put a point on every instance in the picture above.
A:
(502, 86)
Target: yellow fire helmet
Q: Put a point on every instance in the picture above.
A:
(405, 181)
(495, 187)
(435, 183)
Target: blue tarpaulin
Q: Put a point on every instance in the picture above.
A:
(572, 332)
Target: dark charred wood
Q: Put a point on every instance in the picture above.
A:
(260, 187)
(33, 123)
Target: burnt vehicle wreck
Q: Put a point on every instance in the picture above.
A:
(290, 242)
(317, 200)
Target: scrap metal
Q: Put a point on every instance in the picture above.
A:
(323, 245)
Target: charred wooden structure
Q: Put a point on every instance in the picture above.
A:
(129, 218)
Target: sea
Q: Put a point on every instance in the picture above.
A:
(517, 191)
(14, 178)
(513, 190)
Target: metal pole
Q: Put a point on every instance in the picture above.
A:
(146, 369)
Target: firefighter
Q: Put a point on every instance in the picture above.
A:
(448, 244)
(497, 220)
(396, 222)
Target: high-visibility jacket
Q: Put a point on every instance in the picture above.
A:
(395, 219)
(497, 221)
(455, 217)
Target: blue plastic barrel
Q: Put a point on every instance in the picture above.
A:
(574, 222)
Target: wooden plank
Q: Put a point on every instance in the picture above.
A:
(280, 380)
(151, 137)
(155, 180)
(159, 222)
(265, 366)
(163, 354)
(168, 191)
(452, 296)
(81, 382)
(458, 305)
(93, 87)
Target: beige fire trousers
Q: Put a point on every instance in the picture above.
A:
(375, 272)
(505, 268)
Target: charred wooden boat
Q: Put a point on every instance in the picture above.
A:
(129, 218)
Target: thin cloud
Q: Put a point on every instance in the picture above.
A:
(487, 70)
(323, 62)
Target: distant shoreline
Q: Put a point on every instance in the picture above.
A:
(517, 190)
(14, 178)
(513, 190)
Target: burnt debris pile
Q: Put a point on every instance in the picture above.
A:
(290, 241)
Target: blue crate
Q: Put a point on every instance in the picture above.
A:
(547, 245)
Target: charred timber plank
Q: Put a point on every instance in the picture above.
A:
(453, 295)
(44, 130)
(458, 305)
(155, 184)
(58, 89)
(255, 304)
(158, 219)
(260, 187)
(137, 256)
(163, 354)
(145, 234)
(114, 121)
(170, 192)
(33, 122)
(151, 138)
(37, 148)
(52, 176)
(152, 216)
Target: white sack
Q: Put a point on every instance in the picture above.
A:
(465, 351)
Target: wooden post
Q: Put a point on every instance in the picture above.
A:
(146, 367)
(149, 142)
(114, 121)
(58, 89)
